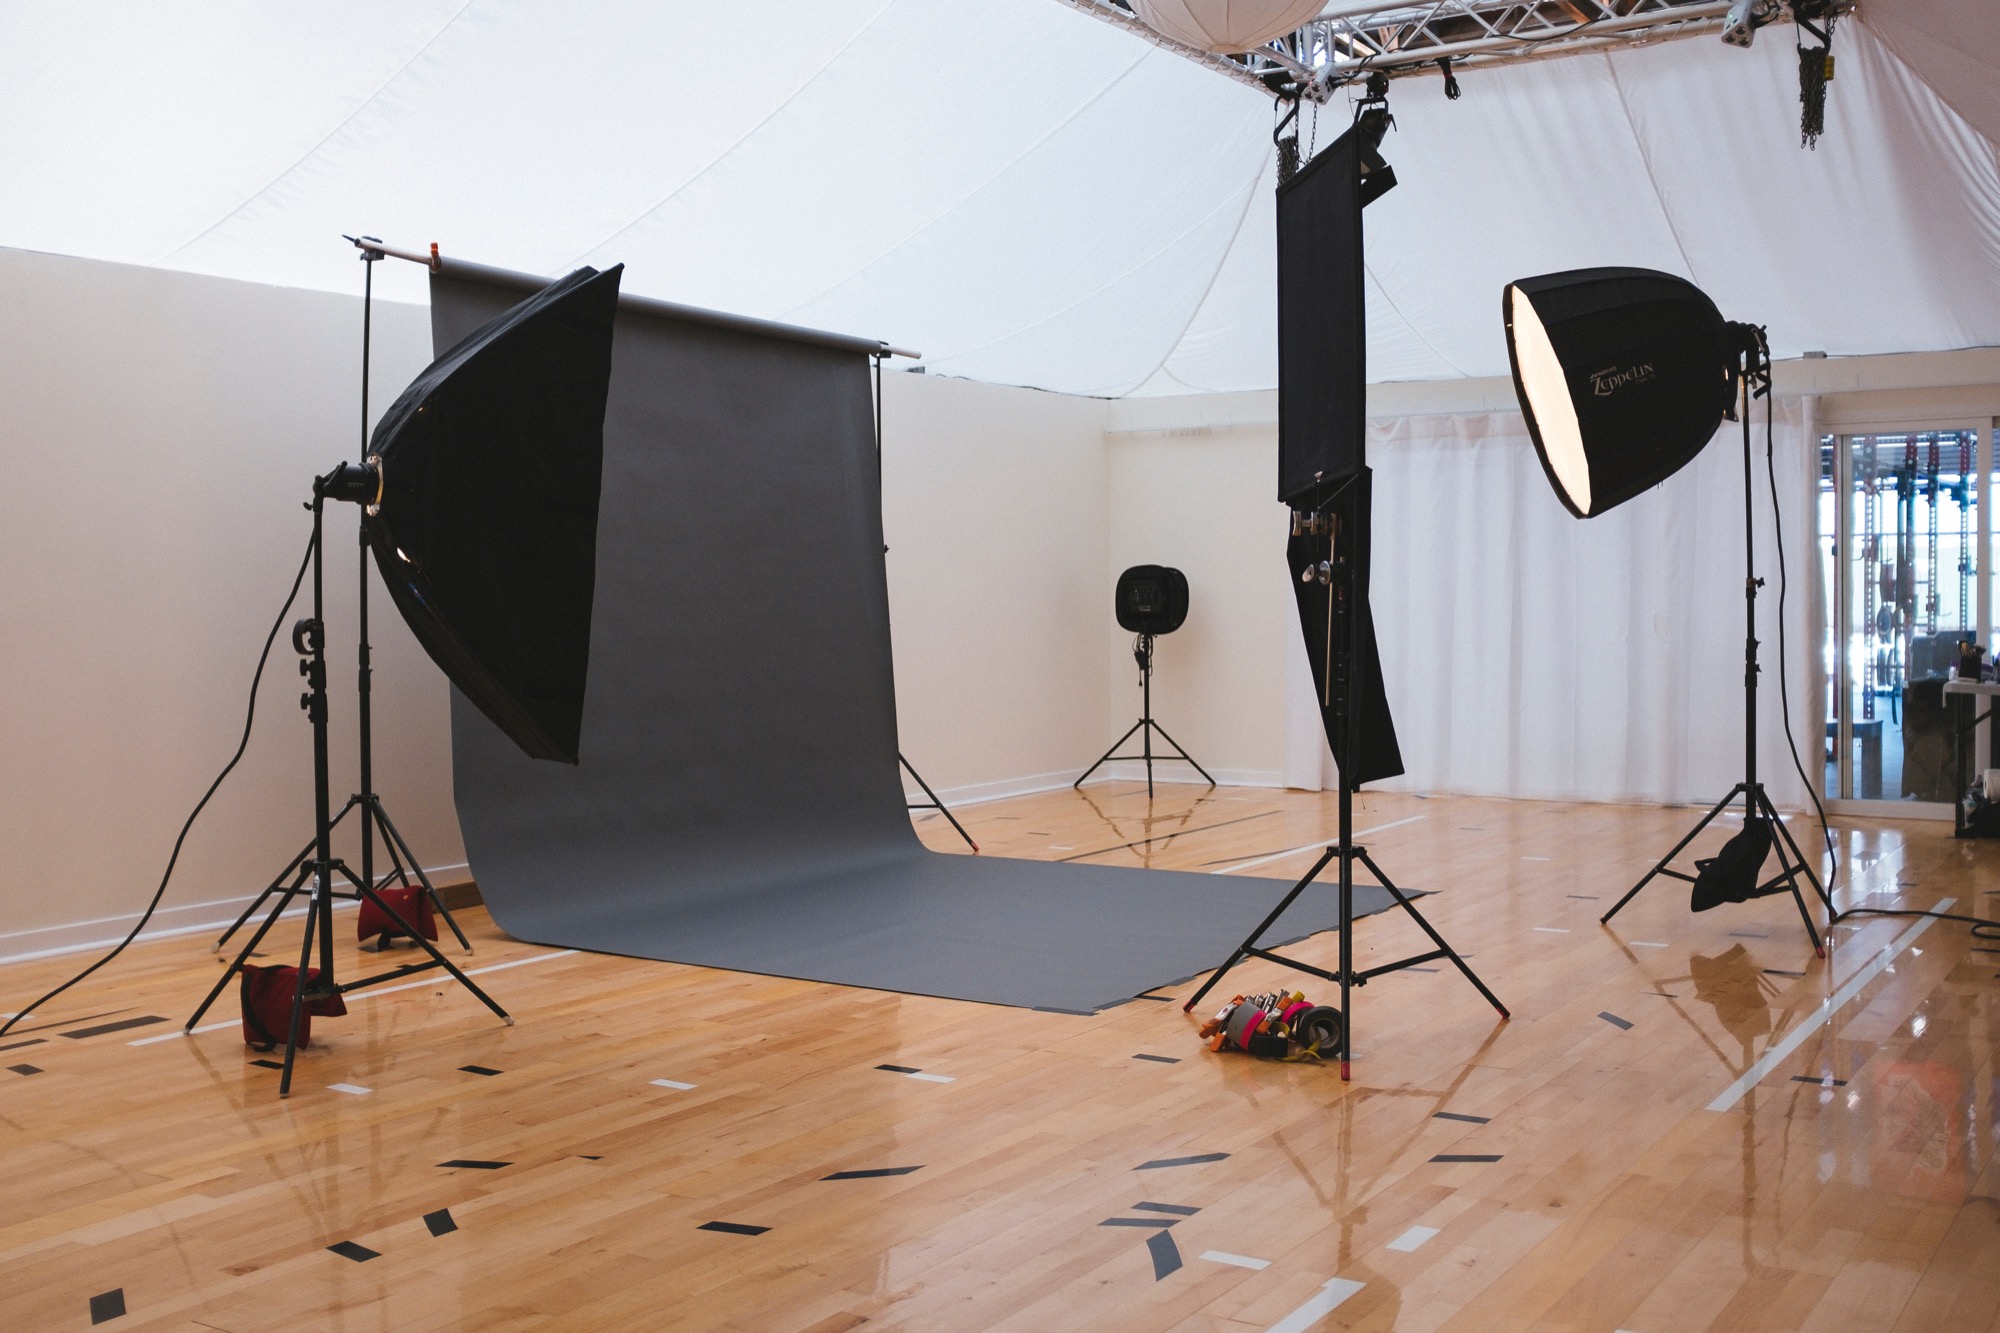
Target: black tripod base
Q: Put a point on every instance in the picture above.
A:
(1145, 728)
(402, 866)
(934, 803)
(1346, 978)
(1794, 874)
(308, 987)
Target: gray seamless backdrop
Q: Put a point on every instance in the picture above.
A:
(738, 803)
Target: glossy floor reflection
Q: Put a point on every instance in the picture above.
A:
(655, 1146)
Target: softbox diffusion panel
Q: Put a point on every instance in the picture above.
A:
(1322, 331)
(739, 803)
(1324, 623)
(487, 535)
(1323, 427)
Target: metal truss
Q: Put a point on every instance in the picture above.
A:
(1350, 41)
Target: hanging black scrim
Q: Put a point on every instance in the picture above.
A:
(1322, 328)
(487, 531)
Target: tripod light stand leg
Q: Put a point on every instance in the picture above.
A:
(236, 964)
(436, 956)
(1181, 751)
(1824, 893)
(396, 845)
(1791, 869)
(941, 807)
(1667, 860)
(295, 872)
(1249, 944)
(299, 988)
(1409, 905)
(1106, 757)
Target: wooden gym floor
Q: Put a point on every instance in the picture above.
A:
(898, 1162)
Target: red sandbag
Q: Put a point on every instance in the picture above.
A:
(267, 1005)
(412, 904)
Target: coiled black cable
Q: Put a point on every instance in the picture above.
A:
(249, 718)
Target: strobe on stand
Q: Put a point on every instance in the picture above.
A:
(481, 489)
(1150, 600)
(1623, 375)
(360, 484)
(403, 863)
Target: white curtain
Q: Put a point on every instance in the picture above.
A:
(1531, 654)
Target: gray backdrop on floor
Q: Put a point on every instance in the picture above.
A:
(738, 803)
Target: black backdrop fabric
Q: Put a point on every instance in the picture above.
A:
(737, 802)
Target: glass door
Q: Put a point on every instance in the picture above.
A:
(1900, 529)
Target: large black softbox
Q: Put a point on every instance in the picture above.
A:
(486, 533)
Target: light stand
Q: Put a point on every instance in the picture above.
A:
(357, 483)
(1342, 546)
(403, 863)
(1755, 374)
(934, 803)
(1142, 653)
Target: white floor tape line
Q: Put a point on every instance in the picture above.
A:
(1234, 1260)
(446, 977)
(1412, 1238)
(1319, 846)
(1323, 1303)
(1778, 1054)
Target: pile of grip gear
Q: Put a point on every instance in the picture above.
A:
(1278, 1025)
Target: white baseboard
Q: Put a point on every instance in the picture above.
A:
(20, 946)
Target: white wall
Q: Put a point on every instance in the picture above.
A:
(993, 508)
(160, 432)
(1204, 501)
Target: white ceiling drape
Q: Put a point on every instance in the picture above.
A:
(1029, 196)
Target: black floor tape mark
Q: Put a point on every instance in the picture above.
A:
(268, 1064)
(1416, 969)
(1460, 1115)
(1139, 1222)
(872, 1174)
(360, 1254)
(1159, 1059)
(470, 1165)
(588, 1158)
(1163, 999)
(119, 1026)
(1623, 1024)
(1591, 896)
(1178, 1209)
(17, 1045)
(85, 1018)
(1166, 1254)
(477, 1069)
(1667, 994)
(1466, 1157)
(440, 1222)
(899, 1069)
(1780, 972)
(1819, 1082)
(1051, 1009)
(1181, 1161)
(23, 1069)
(1750, 934)
(733, 1228)
(107, 1306)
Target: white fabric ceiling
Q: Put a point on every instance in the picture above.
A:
(1024, 193)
